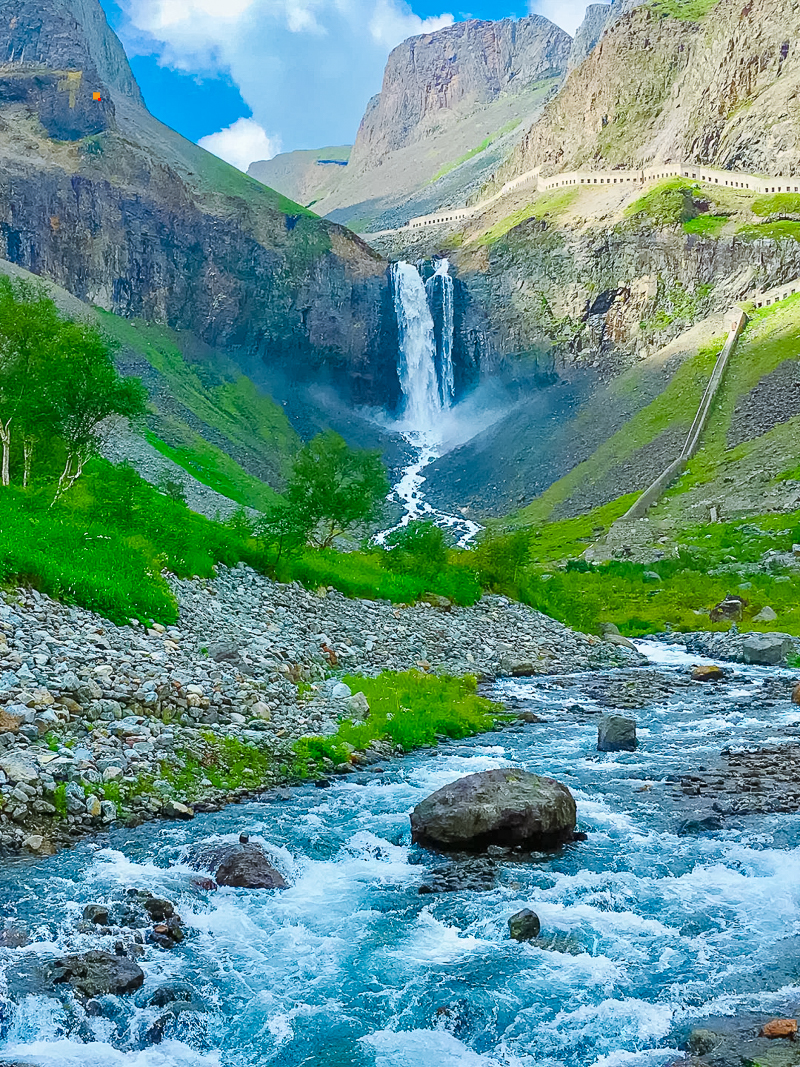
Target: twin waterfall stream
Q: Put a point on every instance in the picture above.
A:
(427, 380)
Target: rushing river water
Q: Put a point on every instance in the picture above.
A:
(643, 930)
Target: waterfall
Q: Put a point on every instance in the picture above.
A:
(442, 282)
(426, 348)
(425, 366)
(417, 365)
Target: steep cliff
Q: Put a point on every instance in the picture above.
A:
(452, 106)
(98, 196)
(430, 80)
(719, 89)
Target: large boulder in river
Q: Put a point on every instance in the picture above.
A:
(506, 807)
(767, 650)
(615, 733)
(94, 974)
(244, 865)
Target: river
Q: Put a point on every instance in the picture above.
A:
(643, 930)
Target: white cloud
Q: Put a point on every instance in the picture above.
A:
(392, 23)
(241, 144)
(568, 14)
(306, 68)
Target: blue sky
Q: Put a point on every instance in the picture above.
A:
(249, 78)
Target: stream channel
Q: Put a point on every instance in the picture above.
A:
(644, 931)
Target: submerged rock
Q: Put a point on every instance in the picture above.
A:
(244, 866)
(524, 925)
(97, 973)
(616, 734)
(506, 807)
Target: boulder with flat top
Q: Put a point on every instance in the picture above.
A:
(506, 807)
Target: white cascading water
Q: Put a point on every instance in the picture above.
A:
(442, 281)
(428, 384)
(418, 378)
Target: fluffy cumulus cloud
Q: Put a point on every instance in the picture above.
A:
(306, 68)
(568, 14)
(241, 144)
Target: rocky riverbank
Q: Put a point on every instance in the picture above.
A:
(100, 722)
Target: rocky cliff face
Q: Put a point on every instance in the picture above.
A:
(720, 90)
(430, 79)
(453, 105)
(121, 211)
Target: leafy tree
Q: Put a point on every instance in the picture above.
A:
(57, 381)
(333, 489)
(500, 559)
(83, 392)
(29, 330)
(283, 528)
(418, 548)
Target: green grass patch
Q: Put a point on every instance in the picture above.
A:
(769, 339)
(214, 468)
(410, 709)
(706, 225)
(546, 206)
(669, 203)
(782, 230)
(219, 395)
(362, 574)
(104, 545)
(777, 203)
(585, 596)
(687, 10)
(675, 406)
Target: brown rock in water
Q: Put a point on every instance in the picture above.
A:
(244, 866)
(796, 694)
(779, 1028)
(707, 673)
(506, 807)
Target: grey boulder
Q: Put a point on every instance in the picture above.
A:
(505, 807)
(768, 650)
(244, 866)
(524, 925)
(616, 734)
(95, 974)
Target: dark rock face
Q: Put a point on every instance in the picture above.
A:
(616, 734)
(133, 218)
(94, 974)
(244, 866)
(504, 807)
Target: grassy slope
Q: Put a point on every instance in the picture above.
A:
(678, 592)
(221, 399)
(676, 406)
(770, 338)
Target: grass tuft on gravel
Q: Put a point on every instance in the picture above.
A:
(408, 708)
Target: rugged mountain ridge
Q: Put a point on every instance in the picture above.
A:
(452, 106)
(98, 196)
(430, 79)
(718, 90)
